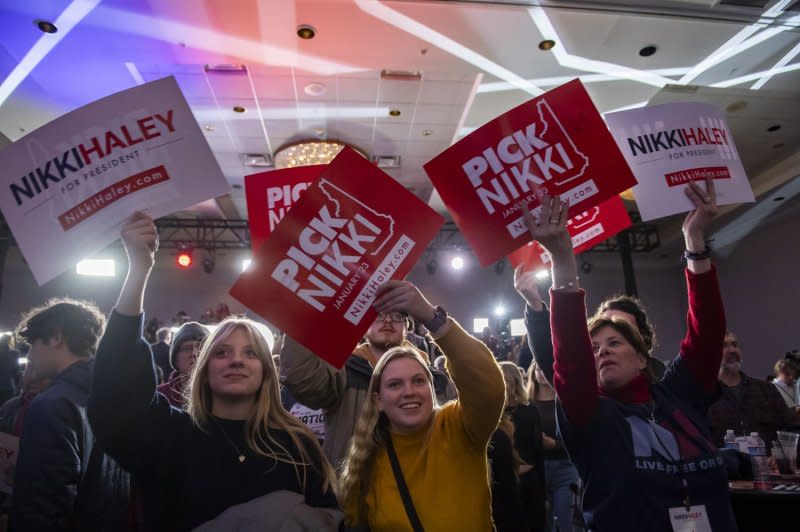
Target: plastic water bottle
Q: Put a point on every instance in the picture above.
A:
(759, 457)
(730, 440)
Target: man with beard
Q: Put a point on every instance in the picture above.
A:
(746, 404)
(340, 393)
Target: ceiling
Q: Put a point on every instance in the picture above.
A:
(475, 60)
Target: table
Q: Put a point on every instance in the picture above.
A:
(780, 504)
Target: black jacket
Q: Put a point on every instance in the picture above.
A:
(63, 481)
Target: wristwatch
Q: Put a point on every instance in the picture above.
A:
(439, 319)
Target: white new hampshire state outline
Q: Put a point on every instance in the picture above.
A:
(540, 106)
(324, 182)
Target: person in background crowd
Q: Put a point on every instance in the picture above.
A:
(340, 392)
(508, 511)
(528, 443)
(560, 473)
(183, 353)
(9, 368)
(642, 447)
(786, 371)
(449, 392)
(235, 453)
(746, 404)
(161, 350)
(63, 480)
(12, 413)
(150, 330)
(430, 447)
(491, 341)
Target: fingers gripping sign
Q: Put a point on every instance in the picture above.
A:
(525, 285)
(403, 296)
(140, 238)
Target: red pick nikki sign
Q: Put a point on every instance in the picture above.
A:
(315, 277)
(271, 194)
(557, 141)
(587, 229)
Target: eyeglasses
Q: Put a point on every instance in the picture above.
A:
(394, 317)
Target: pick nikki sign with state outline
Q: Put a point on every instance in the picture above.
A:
(316, 275)
(557, 142)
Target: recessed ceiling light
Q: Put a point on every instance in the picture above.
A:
(427, 132)
(315, 89)
(423, 51)
(648, 50)
(547, 44)
(208, 127)
(238, 109)
(304, 31)
(779, 198)
(394, 112)
(45, 25)
(776, 127)
(736, 106)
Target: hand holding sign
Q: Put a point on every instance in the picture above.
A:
(550, 230)
(525, 285)
(697, 222)
(402, 296)
(140, 239)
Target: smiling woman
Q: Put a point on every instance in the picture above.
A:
(403, 448)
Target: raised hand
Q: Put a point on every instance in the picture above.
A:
(549, 228)
(403, 296)
(697, 222)
(525, 285)
(140, 239)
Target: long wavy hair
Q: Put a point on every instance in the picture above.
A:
(369, 436)
(511, 374)
(268, 412)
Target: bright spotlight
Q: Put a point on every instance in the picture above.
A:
(542, 274)
(246, 264)
(95, 267)
(184, 259)
(457, 263)
(500, 310)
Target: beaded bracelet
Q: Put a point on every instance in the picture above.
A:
(697, 255)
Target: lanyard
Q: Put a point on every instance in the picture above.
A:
(675, 461)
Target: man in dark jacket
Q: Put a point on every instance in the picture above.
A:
(63, 481)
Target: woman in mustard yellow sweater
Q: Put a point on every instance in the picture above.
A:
(438, 450)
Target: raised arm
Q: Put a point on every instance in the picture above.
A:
(128, 417)
(537, 321)
(575, 376)
(475, 373)
(701, 349)
(312, 381)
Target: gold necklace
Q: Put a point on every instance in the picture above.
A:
(241, 456)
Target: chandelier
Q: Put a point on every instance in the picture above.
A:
(308, 152)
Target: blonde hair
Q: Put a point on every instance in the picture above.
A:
(369, 436)
(511, 375)
(268, 412)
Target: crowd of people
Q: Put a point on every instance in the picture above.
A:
(425, 427)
